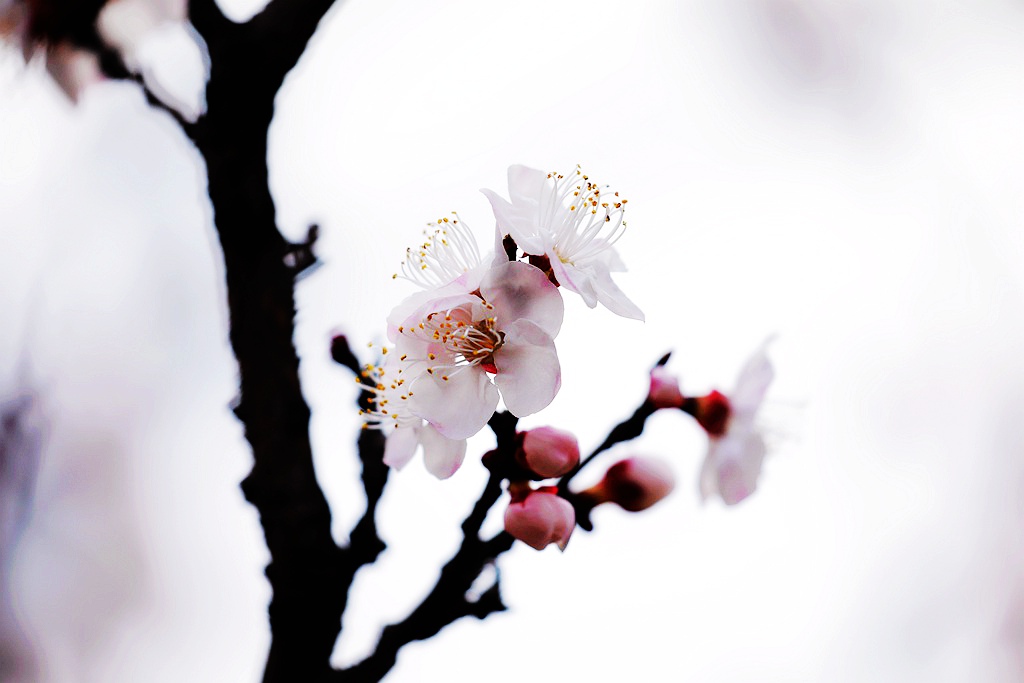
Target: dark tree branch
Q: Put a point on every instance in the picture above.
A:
(286, 26)
(448, 601)
(309, 575)
(207, 18)
(627, 430)
(157, 103)
(365, 544)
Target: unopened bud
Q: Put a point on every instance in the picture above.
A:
(712, 412)
(342, 354)
(539, 518)
(664, 391)
(634, 484)
(548, 452)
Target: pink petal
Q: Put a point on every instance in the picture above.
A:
(418, 305)
(517, 291)
(400, 447)
(733, 465)
(458, 407)
(441, 455)
(529, 374)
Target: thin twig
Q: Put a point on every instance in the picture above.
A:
(627, 430)
(449, 600)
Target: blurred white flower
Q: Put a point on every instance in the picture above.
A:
(734, 457)
(158, 43)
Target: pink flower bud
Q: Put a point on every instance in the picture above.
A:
(634, 484)
(540, 518)
(664, 391)
(548, 452)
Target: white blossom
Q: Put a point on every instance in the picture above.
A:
(572, 222)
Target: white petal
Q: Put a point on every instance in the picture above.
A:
(594, 283)
(753, 382)
(611, 297)
(518, 290)
(499, 255)
(529, 374)
(518, 220)
(441, 455)
(574, 279)
(609, 256)
(173, 62)
(458, 407)
(400, 447)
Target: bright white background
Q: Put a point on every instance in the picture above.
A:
(846, 174)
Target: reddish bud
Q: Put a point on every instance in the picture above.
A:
(664, 391)
(634, 484)
(713, 412)
(342, 354)
(540, 518)
(548, 452)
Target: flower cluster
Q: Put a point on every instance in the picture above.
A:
(482, 328)
(481, 331)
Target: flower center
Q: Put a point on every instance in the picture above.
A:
(471, 342)
(456, 340)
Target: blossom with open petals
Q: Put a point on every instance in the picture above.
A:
(734, 457)
(573, 223)
(457, 342)
(446, 266)
(389, 410)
